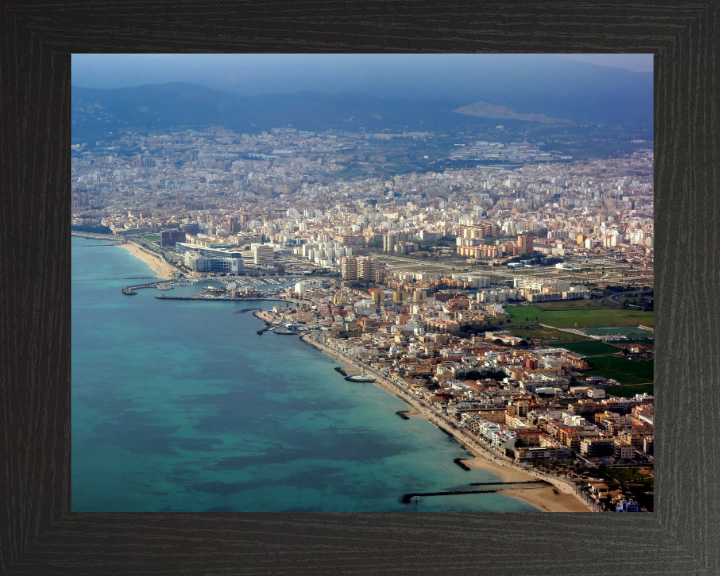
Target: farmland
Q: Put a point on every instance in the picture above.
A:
(567, 317)
(594, 348)
(565, 304)
(621, 369)
(629, 331)
(631, 390)
(523, 313)
(545, 335)
(589, 317)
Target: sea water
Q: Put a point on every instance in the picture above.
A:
(180, 406)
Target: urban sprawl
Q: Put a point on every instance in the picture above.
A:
(511, 300)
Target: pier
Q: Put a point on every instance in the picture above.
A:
(407, 498)
(130, 290)
(222, 298)
(244, 310)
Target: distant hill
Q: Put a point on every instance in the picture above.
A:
(98, 112)
(488, 110)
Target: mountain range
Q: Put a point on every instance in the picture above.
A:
(441, 101)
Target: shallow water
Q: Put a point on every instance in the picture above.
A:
(181, 406)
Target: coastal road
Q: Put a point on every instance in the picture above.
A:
(460, 434)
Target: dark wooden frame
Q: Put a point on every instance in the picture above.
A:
(38, 534)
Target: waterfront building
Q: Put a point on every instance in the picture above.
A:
(262, 253)
(170, 237)
(227, 262)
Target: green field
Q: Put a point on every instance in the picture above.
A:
(545, 335)
(630, 391)
(589, 317)
(584, 316)
(152, 238)
(593, 348)
(630, 331)
(569, 304)
(631, 475)
(621, 369)
(626, 343)
(523, 313)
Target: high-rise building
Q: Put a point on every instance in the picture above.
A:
(348, 267)
(170, 237)
(389, 242)
(521, 247)
(362, 268)
(525, 245)
(380, 275)
(262, 253)
(378, 296)
(399, 296)
(191, 228)
(366, 268)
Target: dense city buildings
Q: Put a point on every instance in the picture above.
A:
(440, 282)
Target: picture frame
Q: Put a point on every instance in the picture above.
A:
(39, 534)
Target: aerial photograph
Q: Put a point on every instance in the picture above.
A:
(362, 283)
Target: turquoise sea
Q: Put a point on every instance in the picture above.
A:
(180, 406)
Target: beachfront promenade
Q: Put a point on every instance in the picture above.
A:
(441, 421)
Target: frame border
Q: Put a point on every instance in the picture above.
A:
(38, 534)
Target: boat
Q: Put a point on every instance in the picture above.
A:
(360, 378)
(285, 330)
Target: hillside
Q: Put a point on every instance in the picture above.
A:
(488, 110)
(97, 112)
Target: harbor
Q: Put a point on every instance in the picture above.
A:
(259, 289)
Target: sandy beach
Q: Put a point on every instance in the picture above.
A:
(548, 499)
(557, 498)
(164, 271)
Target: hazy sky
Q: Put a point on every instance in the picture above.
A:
(263, 73)
(634, 62)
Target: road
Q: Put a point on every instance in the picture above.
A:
(615, 298)
(459, 433)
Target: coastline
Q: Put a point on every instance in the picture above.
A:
(163, 270)
(558, 497)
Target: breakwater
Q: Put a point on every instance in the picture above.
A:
(268, 325)
(500, 486)
(459, 462)
(130, 290)
(208, 299)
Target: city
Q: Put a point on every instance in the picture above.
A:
(508, 301)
